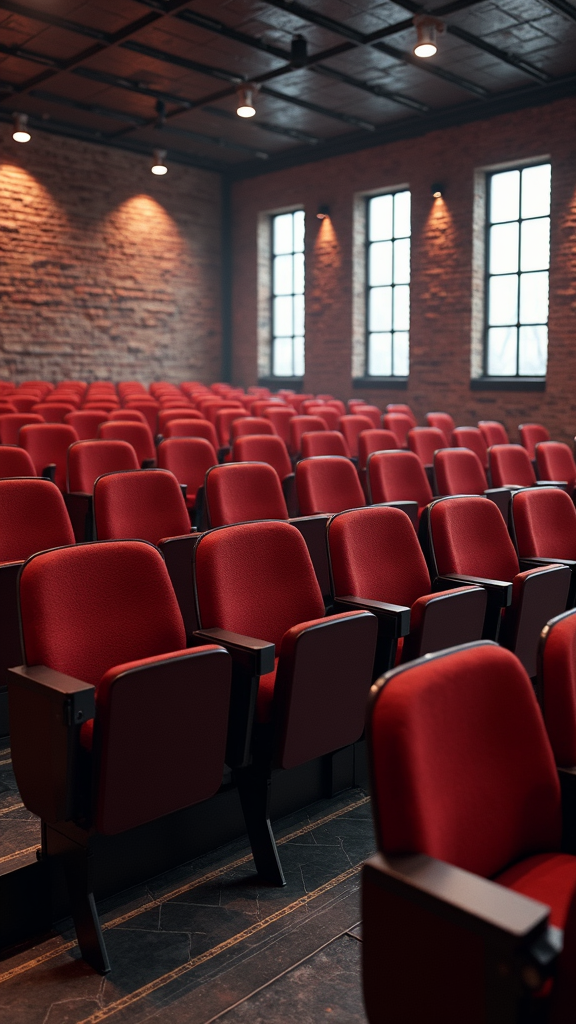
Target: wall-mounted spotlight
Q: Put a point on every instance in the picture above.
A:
(246, 106)
(427, 29)
(437, 190)
(323, 211)
(159, 167)
(21, 133)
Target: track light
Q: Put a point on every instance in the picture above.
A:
(159, 167)
(437, 190)
(426, 30)
(299, 52)
(21, 133)
(323, 211)
(246, 106)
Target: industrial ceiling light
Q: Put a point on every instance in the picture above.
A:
(159, 167)
(21, 133)
(246, 106)
(426, 31)
(323, 211)
(437, 190)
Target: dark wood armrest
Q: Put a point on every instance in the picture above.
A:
(499, 590)
(148, 463)
(49, 472)
(553, 483)
(394, 617)
(534, 562)
(77, 696)
(258, 655)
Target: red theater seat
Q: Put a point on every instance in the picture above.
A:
(543, 526)
(553, 459)
(189, 459)
(351, 427)
(86, 422)
(14, 461)
(136, 434)
(530, 435)
(280, 417)
(47, 445)
(442, 421)
(327, 484)
(53, 412)
(87, 460)
(468, 815)
(167, 415)
(472, 438)
(324, 442)
(373, 441)
(105, 648)
(493, 432)
(399, 424)
(251, 425)
(302, 425)
(405, 409)
(192, 428)
(326, 412)
(459, 471)
(397, 476)
(224, 420)
(128, 416)
(11, 423)
(510, 465)
(263, 448)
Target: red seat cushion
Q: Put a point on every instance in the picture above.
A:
(547, 877)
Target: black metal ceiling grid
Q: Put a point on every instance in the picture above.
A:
(97, 71)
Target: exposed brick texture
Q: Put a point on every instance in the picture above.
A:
(441, 264)
(105, 270)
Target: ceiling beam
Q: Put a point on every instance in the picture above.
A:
(563, 6)
(266, 126)
(306, 105)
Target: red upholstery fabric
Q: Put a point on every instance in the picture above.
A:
(544, 523)
(265, 697)
(212, 410)
(375, 554)
(471, 437)
(189, 459)
(242, 491)
(280, 417)
(86, 422)
(149, 409)
(462, 768)
(23, 402)
(373, 413)
(510, 464)
(530, 435)
(470, 537)
(327, 483)
(336, 403)
(128, 416)
(251, 425)
(303, 424)
(374, 441)
(399, 424)
(256, 579)
(459, 471)
(547, 877)
(14, 461)
(33, 517)
(136, 434)
(554, 460)
(11, 423)
(330, 416)
(352, 426)
(263, 448)
(424, 441)
(145, 503)
(53, 412)
(324, 442)
(192, 428)
(398, 476)
(87, 460)
(223, 422)
(441, 421)
(493, 432)
(403, 408)
(558, 680)
(48, 443)
(88, 608)
(167, 415)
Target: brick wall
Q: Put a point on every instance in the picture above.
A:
(442, 254)
(105, 270)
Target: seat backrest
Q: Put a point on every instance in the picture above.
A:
(251, 425)
(86, 422)
(553, 458)
(176, 413)
(46, 444)
(373, 441)
(468, 536)
(330, 416)
(472, 438)
(530, 435)
(399, 424)
(87, 460)
(211, 409)
(351, 427)
(466, 713)
(33, 517)
(263, 448)
(256, 579)
(128, 416)
(397, 476)
(136, 434)
(224, 421)
(375, 554)
(510, 464)
(493, 432)
(424, 441)
(53, 412)
(373, 413)
(148, 408)
(11, 423)
(441, 421)
(338, 404)
(403, 408)
(544, 520)
(90, 607)
(192, 428)
(6, 407)
(280, 417)
(188, 458)
(24, 402)
(302, 425)
(146, 504)
(327, 483)
(557, 678)
(14, 461)
(324, 442)
(459, 471)
(239, 492)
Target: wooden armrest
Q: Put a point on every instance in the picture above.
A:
(258, 655)
(499, 590)
(394, 617)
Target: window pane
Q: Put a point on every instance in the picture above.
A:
(283, 233)
(533, 351)
(535, 244)
(298, 230)
(401, 355)
(503, 300)
(282, 363)
(401, 308)
(502, 351)
(380, 355)
(283, 316)
(505, 196)
(536, 191)
(402, 261)
(402, 215)
(380, 263)
(380, 309)
(534, 298)
(298, 314)
(504, 249)
(298, 272)
(299, 357)
(282, 275)
(380, 218)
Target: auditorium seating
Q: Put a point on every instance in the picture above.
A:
(397, 476)
(510, 466)
(47, 445)
(192, 428)
(127, 416)
(326, 412)
(459, 471)
(263, 448)
(543, 528)
(136, 434)
(403, 408)
(530, 435)
(189, 459)
(472, 438)
(442, 421)
(373, 441)
(493, 432)
(424, 441)
(310, 673)
(53, 412)
(470, 869)
(351, 427)
(86, 461)
(327, 484)
(251, 425)
(280, 417)
(399, 424)
(86, 422)
(223, 423)
(324, 442)
(14, 461)
(300, 425)
(166, 415)
(554, 461)
(10, 425)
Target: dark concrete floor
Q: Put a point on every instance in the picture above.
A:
(207, 942)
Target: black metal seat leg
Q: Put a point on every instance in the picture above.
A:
(255, 788)
(76, 860)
